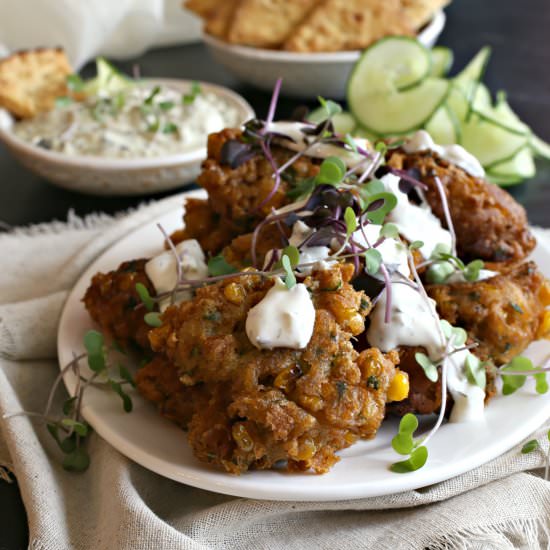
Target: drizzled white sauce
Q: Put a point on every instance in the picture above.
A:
(455, 154)
(284, 318)
(162, 270)
(394, 252)
(301, 142)
(458, 276)
(308, 254)
(415, 222)
(412, 322)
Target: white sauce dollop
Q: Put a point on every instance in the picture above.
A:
(300, 141)
(162, 269)
(284, 318)
(455, 154)
(415, 222)
(308, 254)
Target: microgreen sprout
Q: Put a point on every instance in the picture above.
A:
(69, 429)
(150, 98)
(514, 375)
(75, 83)
(218, 265)
(331, 107)
(404, 444)
(290, 279)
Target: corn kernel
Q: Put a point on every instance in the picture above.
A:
(399, 387)
(242, 437)
(544, 294)
(356, 324)
(234, 293)
(311, 402)
(544, 328)
(306, 449)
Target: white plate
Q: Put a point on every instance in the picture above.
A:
(160, 446)
(305, 75)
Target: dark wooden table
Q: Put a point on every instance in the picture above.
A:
(518, 33)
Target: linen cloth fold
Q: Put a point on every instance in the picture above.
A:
(117, 504)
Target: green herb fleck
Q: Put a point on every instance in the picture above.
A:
(530, 446)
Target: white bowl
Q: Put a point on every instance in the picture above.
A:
(121, 176)
(305, 75)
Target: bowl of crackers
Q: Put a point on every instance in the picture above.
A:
(311, 44)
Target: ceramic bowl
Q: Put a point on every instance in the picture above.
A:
(305, 75)
(115, 176)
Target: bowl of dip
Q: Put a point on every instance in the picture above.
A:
(305, 75)
(148, 138)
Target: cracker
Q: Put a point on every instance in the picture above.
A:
(202, 8)
(267, 23)
(30, 81)
(336, 25)
(420, 12)
(217, 15)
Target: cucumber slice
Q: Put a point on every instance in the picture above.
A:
(442, 61)
(443, 126)
(521, 165)
(393, 63)
(343, 122)
(475, 70)
(539, 147)
(457, 100)
(490, 142)
(397, 112)
(362, 132)
(108, 79)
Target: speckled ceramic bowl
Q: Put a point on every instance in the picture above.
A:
(305, 75)
(113, 176)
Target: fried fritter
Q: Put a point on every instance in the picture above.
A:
(489, 223)
(237, 195)
(268, 405)
(503, 314)
(111, 301)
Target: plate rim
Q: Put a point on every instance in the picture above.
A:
(197, 475)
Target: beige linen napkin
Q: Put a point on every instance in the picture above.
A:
(118, 504)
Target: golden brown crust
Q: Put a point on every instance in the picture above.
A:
(30, 81)
(268, 405)
(502, 314)
(489, 223)
(111, 301)
(335, 25)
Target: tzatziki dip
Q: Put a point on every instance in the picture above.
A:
(140, 121)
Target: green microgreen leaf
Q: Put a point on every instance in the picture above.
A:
(389, 231)
(217, 265)
(77, 461)
(153, 126)
(459, 336)
(331, 171)
(93, 342)
(293, 255)
(290, 279)
(408, 424)
(379, 205)
(75, 83)
(301, 189)
(79, 427)
(513, 382)
(541, 384)
(429, 368)
(373, 261)
(403, 443)
(451, 258)
(351, 221)
(381, 147)
(475, 371)
(68, 405)
(145, 297)
(471, 271)
(417, 459)
(63, 101)
(446, 328)
(415, 245)
(440, 248)
(439, 272)
(331, 107)
(126, 375)
(166, 105)
(126, 399)
(149, 99)
(530, 446)
(153, 319)
(189, 98)
(170, 128)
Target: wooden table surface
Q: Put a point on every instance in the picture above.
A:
(518, 33)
